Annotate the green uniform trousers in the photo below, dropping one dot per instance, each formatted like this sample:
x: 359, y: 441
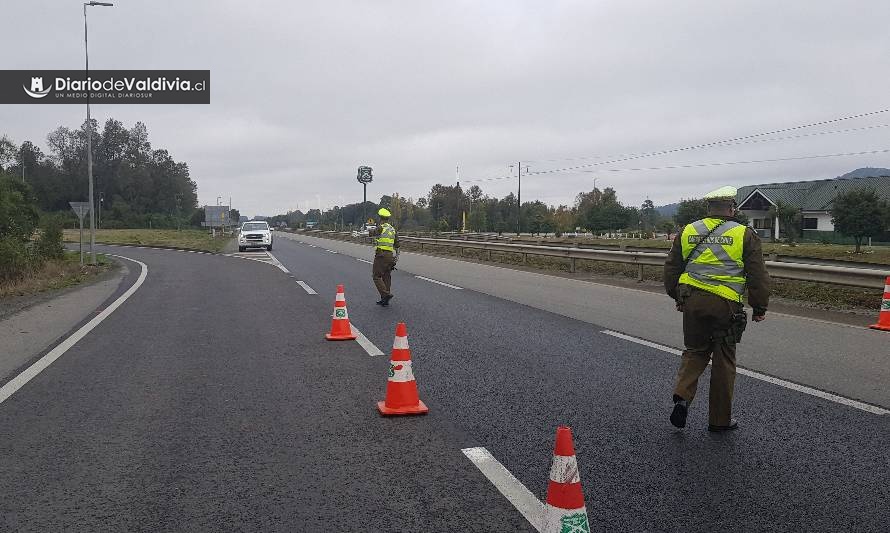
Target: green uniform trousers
x: 705, y: 313
x: 384, y: 261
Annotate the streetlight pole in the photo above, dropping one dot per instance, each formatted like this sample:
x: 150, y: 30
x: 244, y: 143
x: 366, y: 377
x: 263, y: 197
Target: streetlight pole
x: 89, y: 131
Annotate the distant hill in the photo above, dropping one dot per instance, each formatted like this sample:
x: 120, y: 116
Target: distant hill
x: 867, y: 172
x: 668, y: 210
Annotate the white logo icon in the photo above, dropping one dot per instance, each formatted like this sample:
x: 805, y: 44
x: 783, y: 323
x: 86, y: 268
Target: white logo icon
x: 37, y: 90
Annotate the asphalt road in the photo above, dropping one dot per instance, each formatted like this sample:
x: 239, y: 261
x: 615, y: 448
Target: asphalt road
x: 210, y: 401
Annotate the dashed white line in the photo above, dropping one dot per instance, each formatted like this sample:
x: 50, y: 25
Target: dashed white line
x: 363, y: 260
x: 306, y: 287
x: 769, y: 379
x: 365, y: 343
x: 41, y: 364
x: 516, y: 493
x: 439, y: 283
x: 331, y: 251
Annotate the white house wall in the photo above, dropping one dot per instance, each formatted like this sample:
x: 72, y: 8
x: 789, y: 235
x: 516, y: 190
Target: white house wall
x: 823, y: 220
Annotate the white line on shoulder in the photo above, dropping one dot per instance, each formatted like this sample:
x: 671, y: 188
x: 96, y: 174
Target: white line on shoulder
x: 439, y: 282
x: 41, y: 364
x: 769, y: 379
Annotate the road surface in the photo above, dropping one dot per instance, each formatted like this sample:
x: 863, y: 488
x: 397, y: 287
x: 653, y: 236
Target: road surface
x: 209, y: 400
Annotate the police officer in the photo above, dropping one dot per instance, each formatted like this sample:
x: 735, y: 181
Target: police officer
x: 711, y: 264
x: 384, y: 256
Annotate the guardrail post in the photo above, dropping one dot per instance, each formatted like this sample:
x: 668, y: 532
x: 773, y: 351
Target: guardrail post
x: 572, y: 265
x: 639, y: 273
x: 488, y: 254
x: 524, y: 258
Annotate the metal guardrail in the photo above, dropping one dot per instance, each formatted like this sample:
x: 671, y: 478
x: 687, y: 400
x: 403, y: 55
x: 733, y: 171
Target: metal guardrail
x: 839, y: 275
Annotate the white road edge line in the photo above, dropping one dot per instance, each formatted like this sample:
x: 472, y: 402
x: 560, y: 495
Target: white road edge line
x: 516, y: 493
x: 440, y: 283
x: 41, y: 364
x: 769, y: 379
x: 306, y: 287
x: 363, y: 260
x: 364, y: 342
x: 331, y: 251
x: 277, y: 263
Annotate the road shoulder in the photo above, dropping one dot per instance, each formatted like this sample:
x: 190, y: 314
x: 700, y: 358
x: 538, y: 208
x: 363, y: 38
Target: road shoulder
x: 30, y: 325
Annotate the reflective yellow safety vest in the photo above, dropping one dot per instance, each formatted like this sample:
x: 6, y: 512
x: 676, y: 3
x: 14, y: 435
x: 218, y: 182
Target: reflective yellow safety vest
x: 387, y: 238
x: 716, y: 265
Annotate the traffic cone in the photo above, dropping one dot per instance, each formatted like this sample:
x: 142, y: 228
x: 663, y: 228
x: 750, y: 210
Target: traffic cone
x: 564, y: 510
x: 884, y: 314
x: 340, y: 328
x: 401, y: 389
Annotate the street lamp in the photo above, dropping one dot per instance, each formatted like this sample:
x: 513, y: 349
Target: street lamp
x: 89, y: 132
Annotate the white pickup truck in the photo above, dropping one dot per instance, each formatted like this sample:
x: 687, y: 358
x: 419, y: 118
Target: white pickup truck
x: 254, y: 234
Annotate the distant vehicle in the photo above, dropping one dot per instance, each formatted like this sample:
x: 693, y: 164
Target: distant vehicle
x: 363, y: 231
x: 255, y: 234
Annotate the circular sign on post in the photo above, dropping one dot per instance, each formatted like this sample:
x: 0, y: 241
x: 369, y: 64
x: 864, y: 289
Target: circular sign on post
x: 364, y: 175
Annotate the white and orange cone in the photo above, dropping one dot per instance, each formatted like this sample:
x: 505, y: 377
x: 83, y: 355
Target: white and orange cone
x: 401, y: 389
x: 564, y: 510
x: 884, y: 314
x: 341, y: 330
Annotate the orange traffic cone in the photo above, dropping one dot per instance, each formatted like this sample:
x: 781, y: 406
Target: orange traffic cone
x: 884, y: 314
x: 564, y: 510
x: 401, y: 389
x: 340, y: 328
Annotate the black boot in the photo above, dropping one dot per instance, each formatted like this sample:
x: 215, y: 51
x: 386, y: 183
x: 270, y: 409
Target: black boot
x: 678, y: 416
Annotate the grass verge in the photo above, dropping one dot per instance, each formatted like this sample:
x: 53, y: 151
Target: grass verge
x: 187, y: 239
x: 56, y: 274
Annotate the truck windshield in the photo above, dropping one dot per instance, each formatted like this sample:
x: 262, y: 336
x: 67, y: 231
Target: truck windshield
x: 254, y: 227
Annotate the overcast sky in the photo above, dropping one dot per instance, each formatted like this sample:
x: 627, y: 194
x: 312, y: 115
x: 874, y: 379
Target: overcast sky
x: 304, y: 92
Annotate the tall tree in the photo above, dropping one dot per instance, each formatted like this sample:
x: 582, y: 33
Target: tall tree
x: 691, y: 210
x: 859, y: 213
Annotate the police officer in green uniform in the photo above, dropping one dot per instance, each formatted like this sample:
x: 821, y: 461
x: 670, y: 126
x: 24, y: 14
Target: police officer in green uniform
x: 712, y: 263
x: 384, y: 256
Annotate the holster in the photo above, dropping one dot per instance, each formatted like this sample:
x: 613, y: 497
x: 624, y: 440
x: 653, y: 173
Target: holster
x: 733, y: 335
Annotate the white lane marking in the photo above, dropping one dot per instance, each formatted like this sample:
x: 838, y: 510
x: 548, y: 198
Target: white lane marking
x: 363, y: 260
x: 41, y: 364
x: 306, y: 287
x: 364, y: 342
x: 439, y: 282
x: 507, y: 484
x: 769, y: 379
x: 331, y: 251
x: 312, y: 246
x: 277, y: 263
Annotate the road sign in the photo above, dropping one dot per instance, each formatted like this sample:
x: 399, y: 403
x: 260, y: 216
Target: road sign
x: 365, y: 175
x: 81, y: 209
x: 216, y: 216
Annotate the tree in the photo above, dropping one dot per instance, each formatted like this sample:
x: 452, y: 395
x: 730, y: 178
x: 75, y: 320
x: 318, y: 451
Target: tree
x: 691, y: 210
x: 789, y: 220
x: 859, y: 213
x: 648, y: 215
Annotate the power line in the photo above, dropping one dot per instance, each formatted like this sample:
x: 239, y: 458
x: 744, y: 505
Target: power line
x: 710, y: 144
x: 750, y: 141
x: 748, y: 162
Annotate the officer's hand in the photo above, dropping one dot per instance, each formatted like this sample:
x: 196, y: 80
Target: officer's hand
x: 679, y: 307
x: 758, y: 318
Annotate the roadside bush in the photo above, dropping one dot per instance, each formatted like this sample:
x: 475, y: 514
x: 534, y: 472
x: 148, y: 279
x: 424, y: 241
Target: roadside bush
x: 15, y: 259
x: 49, y: 244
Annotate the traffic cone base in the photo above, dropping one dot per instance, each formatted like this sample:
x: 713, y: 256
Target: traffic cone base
x: 419, y: 409
x: 347, y: 337
x: 884, y: 314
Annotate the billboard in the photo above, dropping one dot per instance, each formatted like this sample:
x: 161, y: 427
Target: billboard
x: 217, y: 216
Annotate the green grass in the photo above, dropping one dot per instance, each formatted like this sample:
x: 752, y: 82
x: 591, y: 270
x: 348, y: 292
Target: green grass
x: 187, y: 239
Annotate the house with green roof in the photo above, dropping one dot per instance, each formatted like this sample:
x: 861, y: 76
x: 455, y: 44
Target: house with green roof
x: 814, y: 199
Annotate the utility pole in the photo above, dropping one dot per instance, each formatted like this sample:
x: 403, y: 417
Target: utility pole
x: 89, y: 131
x: 519, y: 198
